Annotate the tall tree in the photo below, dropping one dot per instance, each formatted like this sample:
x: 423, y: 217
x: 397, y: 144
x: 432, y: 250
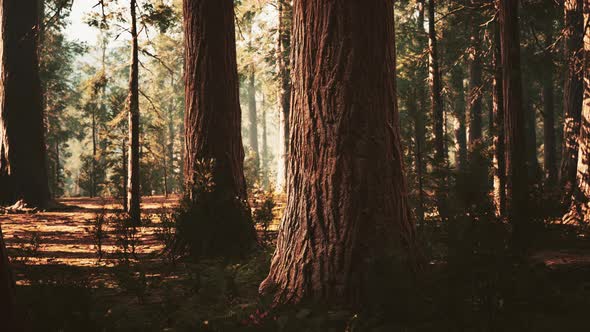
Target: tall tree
x: 133, y: 192
x: 213, y: 115
x: 580, y: 204
x: 498, y: 123
x: 346, y: 186
x: 23, y: 164
x: 517, y: 183
x: 572, y: 95
x: 7, y: 301
x: 550, y: 158
x: 284, y: 68
x: 435, y: 87
x: 253, y: 117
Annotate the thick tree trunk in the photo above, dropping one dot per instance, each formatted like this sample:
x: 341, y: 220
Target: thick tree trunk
x: 572, y: 96
x: 23, y: 164
x: 133, y: 190
x: 213, y: 116
x: 514, y: 120
x: 579, y: 211
x: 498, y: 123
x: 284, y: 67
x: 347, y: 206
x: 7, y: 301
x: 253, y: 118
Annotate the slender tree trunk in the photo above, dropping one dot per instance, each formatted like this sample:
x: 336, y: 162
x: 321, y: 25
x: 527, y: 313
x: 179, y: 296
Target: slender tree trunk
x: 93, y: 170
x: 461, y: 132
x: 579, y: 211
x: 498, y: 122
x: 133, y: 190
x: 475, y: 82
x: 346, y: 188
x: 23, y: 164
x: 171, y: 138
x: 514, y: 120
x: 550, y: 159
x: 125, y: 174
x: 435, y: 88
x: 253, y: 118
x: 532, y: 162
x: 284, y: 68
x: 7, y: 295
x: 420, y: 121
x: 213, y: 116
x: 57, y: 169
x: 264, y: 156
x: 572, y: 96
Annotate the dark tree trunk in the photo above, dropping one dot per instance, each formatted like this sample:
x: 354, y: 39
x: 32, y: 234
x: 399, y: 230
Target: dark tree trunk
x: 23, y: 164
x: 461, y: 132
x: 212, y: 115
x: 133, y: 190
x: 264, y: 155
x: 284, y: 53
x: 572, y: 96
x: 498, y: 123
x: 420, y: 120
x: 579, y: 211
x: 475, y: 82
x: 514, y: 120
x: 125, y: 174
x: 346, y: 191
x: 550, y: 159
x: 435, y: 88
x: 253, y: 118
x: 7, y: 301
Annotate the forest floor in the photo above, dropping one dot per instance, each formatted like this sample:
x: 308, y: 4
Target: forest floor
x: 62, y: 285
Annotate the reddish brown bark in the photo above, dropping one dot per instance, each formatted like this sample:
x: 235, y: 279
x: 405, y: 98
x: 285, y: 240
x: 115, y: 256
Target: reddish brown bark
x: 133, y: 190
x: 435, y: 88
x: 514, y: 121
x: 550, y: 157
x: 212, y: 114
x: 347, y: 204
x: 23, y: 164
x: 572, y: 95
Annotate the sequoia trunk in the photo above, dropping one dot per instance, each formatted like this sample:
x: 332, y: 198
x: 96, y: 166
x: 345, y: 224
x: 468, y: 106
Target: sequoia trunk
x: 346, y: 189
x: 212, y: 114
x: 284, y: 53
x: 23, y: 164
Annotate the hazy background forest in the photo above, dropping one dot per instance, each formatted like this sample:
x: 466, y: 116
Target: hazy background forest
x: 305, y: 165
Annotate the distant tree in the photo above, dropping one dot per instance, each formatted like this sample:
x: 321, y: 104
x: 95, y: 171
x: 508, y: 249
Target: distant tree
x: 516, y: 171
x: 284, y: 70
x: 498, y: 124
x: 572, y: 95
x: 23, y: 163
x: 347, y: 207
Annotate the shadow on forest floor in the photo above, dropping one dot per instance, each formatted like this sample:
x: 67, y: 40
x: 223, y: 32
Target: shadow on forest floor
x: 471, y: 283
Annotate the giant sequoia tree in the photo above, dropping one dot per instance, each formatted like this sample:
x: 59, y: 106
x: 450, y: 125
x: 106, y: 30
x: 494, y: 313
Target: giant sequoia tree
x: 516, y: 170
x: 23, y: 165
x: 213, y: 117
x: 346, y: 189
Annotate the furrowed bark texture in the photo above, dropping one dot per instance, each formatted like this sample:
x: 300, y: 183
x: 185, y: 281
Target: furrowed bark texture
x: 212, y: 114
x: 514, y: 121
x: 133, y: 190
x: 572, y: 95
x: 23, y: 164
x: 346, y: 191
